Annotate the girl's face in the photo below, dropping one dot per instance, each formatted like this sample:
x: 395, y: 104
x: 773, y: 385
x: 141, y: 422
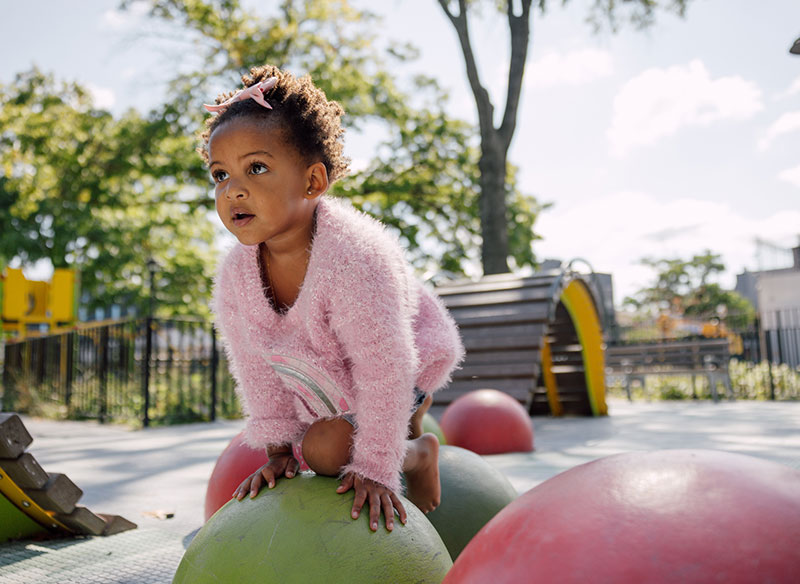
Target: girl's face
x: 262, y: 184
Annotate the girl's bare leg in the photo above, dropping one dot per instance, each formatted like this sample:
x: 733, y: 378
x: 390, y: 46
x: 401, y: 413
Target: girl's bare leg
x: 421, y: 467
x: 415, y: 424
x: 327, y: 445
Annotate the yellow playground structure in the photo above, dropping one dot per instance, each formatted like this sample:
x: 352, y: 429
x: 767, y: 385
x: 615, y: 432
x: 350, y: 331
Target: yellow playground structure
x: 26, y: 303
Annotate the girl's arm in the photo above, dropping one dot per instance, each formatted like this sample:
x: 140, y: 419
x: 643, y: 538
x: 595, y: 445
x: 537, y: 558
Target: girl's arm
x: 267, y: 405
x: 370, y: 315
x: 437, y: 340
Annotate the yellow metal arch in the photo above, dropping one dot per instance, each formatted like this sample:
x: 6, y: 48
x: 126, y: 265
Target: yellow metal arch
x: 550, y: 380
x: 579, y: 304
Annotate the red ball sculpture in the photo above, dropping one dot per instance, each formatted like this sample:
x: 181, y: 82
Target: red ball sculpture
x: 235, y: 464
x: 689, y: 516
x: 487, y: 421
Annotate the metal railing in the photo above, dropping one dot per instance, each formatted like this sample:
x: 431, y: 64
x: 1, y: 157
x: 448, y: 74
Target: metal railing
x: 145, y: 370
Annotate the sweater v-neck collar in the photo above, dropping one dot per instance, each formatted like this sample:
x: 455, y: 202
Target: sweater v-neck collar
x: 256, y: 275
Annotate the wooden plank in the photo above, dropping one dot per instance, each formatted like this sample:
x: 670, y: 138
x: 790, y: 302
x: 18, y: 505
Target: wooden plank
x: 14, y: 438
x: 510, y: 343
x: 497, y: 370
x: 449, y: 395
x: 516, y: 296
x: 491, y: 357
x: 566, y: 348
x: 499, y: 314
x: 494, y: 283
x: 564, y: 369
x: 527, y: 335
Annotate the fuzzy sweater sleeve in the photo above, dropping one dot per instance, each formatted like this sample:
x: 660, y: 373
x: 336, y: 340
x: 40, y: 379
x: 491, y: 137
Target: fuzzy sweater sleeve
x: 271, y: 418
x: 370, y: 315
x: 437, y: 340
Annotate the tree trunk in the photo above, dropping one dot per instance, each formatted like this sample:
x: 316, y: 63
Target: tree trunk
x: 494, y: 217
x: 494, y: 141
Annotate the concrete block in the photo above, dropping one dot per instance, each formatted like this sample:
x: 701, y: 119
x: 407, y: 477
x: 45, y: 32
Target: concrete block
x: 59, y: 494
x: 24, y: 471
x: 14, y: 438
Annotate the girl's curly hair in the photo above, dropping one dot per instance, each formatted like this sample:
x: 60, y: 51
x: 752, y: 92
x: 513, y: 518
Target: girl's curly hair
x: 309, y: 121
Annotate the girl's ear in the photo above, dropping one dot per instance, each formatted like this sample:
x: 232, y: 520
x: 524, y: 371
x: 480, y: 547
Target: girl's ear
x: 317, y: 181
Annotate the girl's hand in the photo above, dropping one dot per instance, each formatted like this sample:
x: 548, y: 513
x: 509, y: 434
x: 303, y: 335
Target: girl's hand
x: 380, y: 498
x: 280, y: 464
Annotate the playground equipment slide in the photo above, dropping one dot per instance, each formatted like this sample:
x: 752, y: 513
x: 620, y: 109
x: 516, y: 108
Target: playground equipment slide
x: 537, y: 338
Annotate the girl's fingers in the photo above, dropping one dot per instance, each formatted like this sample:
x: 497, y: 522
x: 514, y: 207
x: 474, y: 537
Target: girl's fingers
x: 346, y: 484
x: 400, y: 509
x: 271, y: 475
x: 358, y: 502
x: 242, y: 489
x: 255, y: 484
x: 374, y: 508
x: 291, y: 467
x: 388, y: 511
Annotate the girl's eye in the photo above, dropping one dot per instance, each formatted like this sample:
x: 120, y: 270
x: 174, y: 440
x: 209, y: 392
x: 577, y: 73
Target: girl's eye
x: 219, y: 176
x: 258, y: 168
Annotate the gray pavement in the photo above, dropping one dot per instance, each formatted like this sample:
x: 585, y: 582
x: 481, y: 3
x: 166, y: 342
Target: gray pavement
x: 137, y: 472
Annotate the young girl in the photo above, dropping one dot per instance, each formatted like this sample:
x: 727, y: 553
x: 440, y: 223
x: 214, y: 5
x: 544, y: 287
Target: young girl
x: 331, y: 339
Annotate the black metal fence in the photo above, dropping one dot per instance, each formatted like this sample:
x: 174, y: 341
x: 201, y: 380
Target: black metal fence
x: 781, y: 337
x: 143, y: 370
x: 775, y: 338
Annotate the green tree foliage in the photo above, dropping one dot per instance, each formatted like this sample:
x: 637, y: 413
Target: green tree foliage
x: 424, y: 179
x: 100, y: 195
x: 684, y: 287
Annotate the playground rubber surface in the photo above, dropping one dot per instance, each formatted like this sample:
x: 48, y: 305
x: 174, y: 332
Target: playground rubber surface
x: 157, y: 477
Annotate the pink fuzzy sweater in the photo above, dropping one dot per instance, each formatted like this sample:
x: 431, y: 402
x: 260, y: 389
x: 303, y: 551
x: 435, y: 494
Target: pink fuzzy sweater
x: 361, y: 334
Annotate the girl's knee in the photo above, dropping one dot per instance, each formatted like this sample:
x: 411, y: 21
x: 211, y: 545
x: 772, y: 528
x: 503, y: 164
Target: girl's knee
x: 327, y: 444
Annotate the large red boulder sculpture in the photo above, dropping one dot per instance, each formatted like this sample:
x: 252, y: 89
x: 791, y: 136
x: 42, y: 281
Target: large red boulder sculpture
x: 689, y: 516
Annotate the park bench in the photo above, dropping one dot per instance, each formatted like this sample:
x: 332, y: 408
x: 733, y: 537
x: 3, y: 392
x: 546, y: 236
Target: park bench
x: 35, y: 503
x: 636, y: 361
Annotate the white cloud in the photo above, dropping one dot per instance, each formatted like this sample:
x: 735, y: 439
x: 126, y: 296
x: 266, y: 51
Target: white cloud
x: 121, y: 19
x: 659, y: 102
x: 793, y: 89
x: 791, y: 175
x: 787, y: 123
x: 103, y: 97
x: 614, y: 232
x: 573, y: 68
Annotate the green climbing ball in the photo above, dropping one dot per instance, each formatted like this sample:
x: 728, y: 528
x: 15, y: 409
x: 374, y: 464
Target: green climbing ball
x: 473, y: 492
x: 429, y: 424
x: 301, y: 531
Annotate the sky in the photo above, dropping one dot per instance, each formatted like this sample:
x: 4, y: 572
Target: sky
x: 659, y: 143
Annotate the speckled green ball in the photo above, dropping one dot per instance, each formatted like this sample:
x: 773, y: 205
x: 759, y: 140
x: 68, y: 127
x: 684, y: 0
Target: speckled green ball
x: 429, y: 424
x: 301, y: 531
x: 473, y: 492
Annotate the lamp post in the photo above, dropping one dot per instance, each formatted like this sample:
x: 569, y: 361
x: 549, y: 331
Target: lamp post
x: 151, y: 268
x: 148, y: 348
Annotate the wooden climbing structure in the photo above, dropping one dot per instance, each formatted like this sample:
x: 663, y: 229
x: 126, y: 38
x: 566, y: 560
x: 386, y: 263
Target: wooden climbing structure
x: 36, y: 504
x: 538, y: 338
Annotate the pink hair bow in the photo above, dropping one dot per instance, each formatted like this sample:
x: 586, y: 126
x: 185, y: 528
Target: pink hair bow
x: 255, y: 92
